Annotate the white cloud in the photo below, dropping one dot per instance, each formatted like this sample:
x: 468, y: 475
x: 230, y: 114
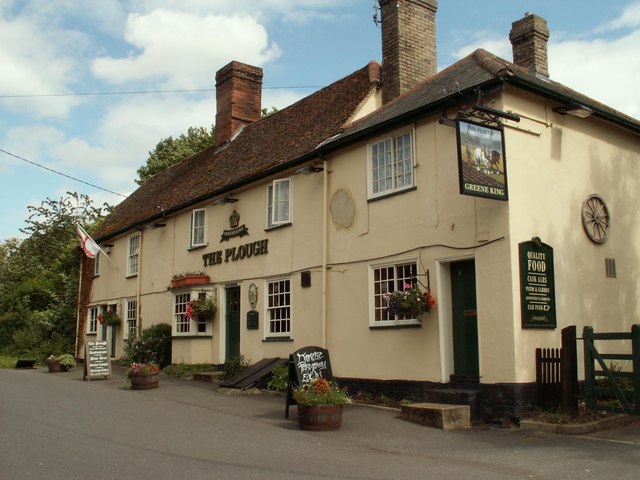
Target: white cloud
x: 182, y: 49
x: 36, y: 61
x: 606, y: 70
x: 630, y: 18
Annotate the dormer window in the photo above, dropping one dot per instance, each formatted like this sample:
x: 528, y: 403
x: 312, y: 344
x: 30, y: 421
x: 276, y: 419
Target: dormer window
x: 391, y: 165
x: 198, y: 224
x: 278, y: 203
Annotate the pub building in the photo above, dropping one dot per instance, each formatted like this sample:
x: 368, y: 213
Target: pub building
x: 303, y: 223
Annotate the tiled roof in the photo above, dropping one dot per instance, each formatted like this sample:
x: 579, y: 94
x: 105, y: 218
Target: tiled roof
x: 460, y: 81
x: 293, y: 134
x: 282, y: 138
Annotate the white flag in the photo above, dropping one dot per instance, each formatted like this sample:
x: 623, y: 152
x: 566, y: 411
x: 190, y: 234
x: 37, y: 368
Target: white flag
x: 90, y: 247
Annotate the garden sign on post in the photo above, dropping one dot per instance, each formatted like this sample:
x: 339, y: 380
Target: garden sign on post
x: 96, y: 360
x: 305, y: 365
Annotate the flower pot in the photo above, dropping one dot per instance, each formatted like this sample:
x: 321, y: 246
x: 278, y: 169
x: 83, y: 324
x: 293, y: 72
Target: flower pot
x: 145, y: 382
x: 56, y: 367
x: 319, y: 418
x: 189, y: 280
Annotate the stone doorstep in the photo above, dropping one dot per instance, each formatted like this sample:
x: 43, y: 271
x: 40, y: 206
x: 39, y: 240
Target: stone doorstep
x: 438, y: 415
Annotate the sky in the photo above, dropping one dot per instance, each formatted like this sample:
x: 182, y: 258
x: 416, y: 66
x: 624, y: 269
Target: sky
x: 89, y: 87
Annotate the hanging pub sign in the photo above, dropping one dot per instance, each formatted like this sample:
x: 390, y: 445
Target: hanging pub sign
x: 482, y: 164
x: 537, y: 285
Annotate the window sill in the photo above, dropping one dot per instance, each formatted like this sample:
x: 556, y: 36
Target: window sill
x: 395, y: 325
x: 191, y: 337
x: 197, y: 247
x: 391, y: 194
x: 276, y: 227
x: 277, y: 339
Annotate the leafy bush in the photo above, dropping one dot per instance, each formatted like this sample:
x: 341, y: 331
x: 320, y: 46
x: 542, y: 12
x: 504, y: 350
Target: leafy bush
x: 279, y: 378
x: 186, y: 370
x: 234, y: 366
x: 153, y: 345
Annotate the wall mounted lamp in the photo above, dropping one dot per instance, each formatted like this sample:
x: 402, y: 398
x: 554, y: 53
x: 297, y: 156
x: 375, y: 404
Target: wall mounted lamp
x: 309, y: 169
x: 575, y: 109
x: 225, y: 200
x: 106, y: 247
x: 496, y: 113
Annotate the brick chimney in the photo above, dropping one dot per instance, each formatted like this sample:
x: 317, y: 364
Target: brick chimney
x: 529, y: 38
x: 238, y: 98
x: 408, y: 44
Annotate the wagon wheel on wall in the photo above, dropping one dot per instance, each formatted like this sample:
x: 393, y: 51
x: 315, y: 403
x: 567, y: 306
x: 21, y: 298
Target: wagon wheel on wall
x: 596, y: 219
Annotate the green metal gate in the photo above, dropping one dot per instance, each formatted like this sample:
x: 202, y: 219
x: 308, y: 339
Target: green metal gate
x: 607, y: 388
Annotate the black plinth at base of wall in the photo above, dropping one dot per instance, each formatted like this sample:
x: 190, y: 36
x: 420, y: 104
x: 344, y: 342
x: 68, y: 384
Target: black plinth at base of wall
x: 491, y: 403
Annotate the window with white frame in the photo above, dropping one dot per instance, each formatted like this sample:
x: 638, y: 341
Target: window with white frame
x: 279, y: 203
x: 198, y: 222
x: 96, y: 265
x: 133, y: 254
x: 279, y: 307
x: 131, y: 318
x: 391, y: 165
x: 92, y: 320
x: 388, y: 279
x: 182, y: 321
x: 186, y: 322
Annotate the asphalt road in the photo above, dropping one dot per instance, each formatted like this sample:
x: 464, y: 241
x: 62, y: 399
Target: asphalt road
x: 56, y: 426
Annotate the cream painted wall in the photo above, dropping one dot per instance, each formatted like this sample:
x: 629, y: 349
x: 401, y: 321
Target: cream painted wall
x: 553, y: 162
x: 551, y: 173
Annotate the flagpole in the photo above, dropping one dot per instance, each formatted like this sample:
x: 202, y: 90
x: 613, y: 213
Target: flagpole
x: 106, y: 255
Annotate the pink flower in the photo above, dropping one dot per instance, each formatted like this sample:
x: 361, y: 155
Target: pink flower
x: 189, y: 312
x: 407, y: 286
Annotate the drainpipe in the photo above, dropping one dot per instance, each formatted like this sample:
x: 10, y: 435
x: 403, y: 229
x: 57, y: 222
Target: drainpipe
x: 325, y: 241
x: 139, y: 282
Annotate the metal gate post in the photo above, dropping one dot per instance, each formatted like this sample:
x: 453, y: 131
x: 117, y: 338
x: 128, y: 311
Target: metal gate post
x: 635, y: 352
x: 569, y: 372
x: 589, y: 375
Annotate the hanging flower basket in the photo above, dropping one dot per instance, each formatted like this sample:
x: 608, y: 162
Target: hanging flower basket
x: 201, y: 309
x: 110, y: 318
x: 409, y: 303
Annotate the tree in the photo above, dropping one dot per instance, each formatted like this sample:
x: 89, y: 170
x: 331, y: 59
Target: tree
x: 170, y: 151
x: 39, y: 277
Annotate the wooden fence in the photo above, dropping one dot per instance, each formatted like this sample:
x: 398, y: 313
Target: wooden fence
x: 608, y: 388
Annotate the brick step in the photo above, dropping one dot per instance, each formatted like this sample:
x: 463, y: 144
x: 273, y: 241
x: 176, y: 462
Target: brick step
x: 438, y: 415
x: 457, y: 396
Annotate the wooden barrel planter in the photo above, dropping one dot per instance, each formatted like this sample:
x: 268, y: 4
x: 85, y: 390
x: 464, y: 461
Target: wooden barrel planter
x: 320, y: 418
x: 56, y: 367
x: 145, y: 382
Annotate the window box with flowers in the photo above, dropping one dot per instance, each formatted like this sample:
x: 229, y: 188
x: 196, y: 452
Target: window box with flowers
x: 109, y: 318
x: 186, y: 279
x: 201, y: 309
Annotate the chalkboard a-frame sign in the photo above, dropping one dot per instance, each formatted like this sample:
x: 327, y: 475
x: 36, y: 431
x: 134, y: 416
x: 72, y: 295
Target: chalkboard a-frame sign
x: 97, y: 363
x: 305, y: 365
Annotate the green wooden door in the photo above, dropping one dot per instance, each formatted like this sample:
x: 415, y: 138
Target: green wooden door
x: 465, y: 319
x: 232, y: 322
